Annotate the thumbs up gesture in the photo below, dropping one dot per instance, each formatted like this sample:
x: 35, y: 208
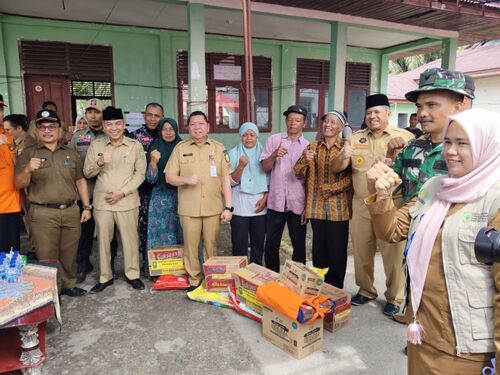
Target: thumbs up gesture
x: 281, y: 150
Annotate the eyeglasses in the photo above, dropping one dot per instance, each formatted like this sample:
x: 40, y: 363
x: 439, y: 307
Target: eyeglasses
x: 50, y: 127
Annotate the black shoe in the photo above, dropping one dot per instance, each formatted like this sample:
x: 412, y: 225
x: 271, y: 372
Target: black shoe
x: 99, y: 287
x: 73, y: 292
x: 390, y: 309
x: 82, y: 271
x: 136, y: 283
x: 359, y: 300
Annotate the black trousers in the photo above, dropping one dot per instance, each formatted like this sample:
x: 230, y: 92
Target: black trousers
x: 10, y: 231
x: 87, y: 240
x: 241, y: 228
x: 329, y: 249
x: 274, y: 231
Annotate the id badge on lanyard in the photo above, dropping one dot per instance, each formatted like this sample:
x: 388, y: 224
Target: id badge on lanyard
x: 213, y: 167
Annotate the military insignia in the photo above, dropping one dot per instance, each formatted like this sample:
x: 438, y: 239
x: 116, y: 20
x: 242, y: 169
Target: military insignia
x: 45, y: 114
x: 362, y: 140
x: 467, y: 217
x: 226, y: 156
x: 358, y: 160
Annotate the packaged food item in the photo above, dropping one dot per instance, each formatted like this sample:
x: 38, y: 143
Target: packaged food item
x: 301, y: 279
x: 171, y: 282
x: 219, y: 282
x: 297, y: 339
x: 224, y: 264
x: 247, y: 280
x: 201, y: 294
x: 166, y: 260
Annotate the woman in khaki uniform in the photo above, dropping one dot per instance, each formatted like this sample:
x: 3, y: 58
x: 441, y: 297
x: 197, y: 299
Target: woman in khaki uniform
x: 454, y: 301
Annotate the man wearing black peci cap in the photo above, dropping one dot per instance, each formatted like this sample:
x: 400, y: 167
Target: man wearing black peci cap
x: 287, y: 200
x: 52, y: 174
x: 366, y: 147
x: 120, y: 166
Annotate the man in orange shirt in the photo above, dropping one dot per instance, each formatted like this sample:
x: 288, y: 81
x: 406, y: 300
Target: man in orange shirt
x: 10, y: 205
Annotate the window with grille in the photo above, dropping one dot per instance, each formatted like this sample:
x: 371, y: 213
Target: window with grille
x: 81, y: 91
x: 312, y: 89
x: 225, y: 91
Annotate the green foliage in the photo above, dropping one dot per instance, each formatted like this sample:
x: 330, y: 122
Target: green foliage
x: 412, y: 62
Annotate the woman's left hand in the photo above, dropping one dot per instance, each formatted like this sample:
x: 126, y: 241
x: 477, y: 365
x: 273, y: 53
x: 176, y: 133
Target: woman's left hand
x: 261, y: 204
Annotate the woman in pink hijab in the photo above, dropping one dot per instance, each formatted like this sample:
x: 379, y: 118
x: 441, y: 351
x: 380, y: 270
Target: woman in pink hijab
x: 454, y: 306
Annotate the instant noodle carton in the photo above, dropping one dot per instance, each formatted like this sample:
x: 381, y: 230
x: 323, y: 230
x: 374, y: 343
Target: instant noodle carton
x: 247, y: 281
x: 339, y: 317
x: 297, y: 339
x: 166, y: 260
x: 219, y: 282
x: 218, y: 271
x: 300, y: 279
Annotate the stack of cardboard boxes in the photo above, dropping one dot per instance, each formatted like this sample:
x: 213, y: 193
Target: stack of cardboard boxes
x: 295, y: 338
x: 219, y: 270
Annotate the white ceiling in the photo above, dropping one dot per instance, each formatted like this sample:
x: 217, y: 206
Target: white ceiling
x: 166, y: 15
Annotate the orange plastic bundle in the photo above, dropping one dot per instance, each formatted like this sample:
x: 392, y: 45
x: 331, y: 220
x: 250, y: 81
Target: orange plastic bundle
x: 282, y: 299
x: 171, y: 282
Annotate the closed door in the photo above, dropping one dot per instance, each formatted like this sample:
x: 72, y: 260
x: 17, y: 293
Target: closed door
x: 40, y: 88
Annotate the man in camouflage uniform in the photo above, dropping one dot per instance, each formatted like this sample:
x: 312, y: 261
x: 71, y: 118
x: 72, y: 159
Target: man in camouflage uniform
x: 440, y: 93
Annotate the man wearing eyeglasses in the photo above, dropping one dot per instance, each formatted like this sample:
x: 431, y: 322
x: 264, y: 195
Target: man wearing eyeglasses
x: 52, y: 174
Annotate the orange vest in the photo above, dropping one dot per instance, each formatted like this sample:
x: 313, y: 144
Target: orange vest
x: 9, y: 195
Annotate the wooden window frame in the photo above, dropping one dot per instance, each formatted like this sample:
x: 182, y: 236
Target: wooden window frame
x: 212, y: 84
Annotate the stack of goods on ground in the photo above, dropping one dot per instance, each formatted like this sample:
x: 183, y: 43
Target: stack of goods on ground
x: 167, y: 262
x: 294, y: 307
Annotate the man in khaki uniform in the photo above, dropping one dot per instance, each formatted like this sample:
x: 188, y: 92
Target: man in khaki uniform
x: 120, y: 166
x: 200, y: 168
x: 367, y: 146
x: 52, y: 174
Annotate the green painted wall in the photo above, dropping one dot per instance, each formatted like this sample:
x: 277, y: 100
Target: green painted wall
x: 397, y: 108
x: 145, y: 62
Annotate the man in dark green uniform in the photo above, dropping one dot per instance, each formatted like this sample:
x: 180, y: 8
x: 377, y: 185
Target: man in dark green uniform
x: 52, y: 174
x: 440, y: 93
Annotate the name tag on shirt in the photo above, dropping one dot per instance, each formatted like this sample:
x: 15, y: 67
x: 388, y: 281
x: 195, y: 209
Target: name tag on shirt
x: 213, y: 171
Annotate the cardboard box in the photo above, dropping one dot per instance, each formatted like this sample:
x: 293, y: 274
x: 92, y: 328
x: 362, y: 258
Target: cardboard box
x: 336, y: 325
x: 166, y: 260
x: 337, y: 295
x: 297, y: 339
x: 248, y: 279
x: 300, y: 279
x: 223, y: 264
x: 340, y: 317
x: 219, y: 282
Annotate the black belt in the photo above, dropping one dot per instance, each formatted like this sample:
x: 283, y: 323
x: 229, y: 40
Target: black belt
x: 60, y: 206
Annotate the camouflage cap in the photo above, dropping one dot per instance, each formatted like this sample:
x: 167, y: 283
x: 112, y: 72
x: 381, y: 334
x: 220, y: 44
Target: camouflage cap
x: 440, y: 79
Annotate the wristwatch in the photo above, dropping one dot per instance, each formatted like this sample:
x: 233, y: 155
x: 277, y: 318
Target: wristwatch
x: 230, y: 209
x: 88, y: 207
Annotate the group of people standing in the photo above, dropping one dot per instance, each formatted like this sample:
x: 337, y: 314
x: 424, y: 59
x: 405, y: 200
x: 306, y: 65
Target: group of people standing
x: 423, y: 200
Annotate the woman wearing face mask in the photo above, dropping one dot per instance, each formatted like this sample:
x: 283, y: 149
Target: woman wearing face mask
x: 163, y: 221
x: 454, y: 301
x: 328, y: 198
x: 249, y: 190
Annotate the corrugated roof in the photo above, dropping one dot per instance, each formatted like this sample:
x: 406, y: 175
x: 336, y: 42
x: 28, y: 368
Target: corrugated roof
x: 477, y: 61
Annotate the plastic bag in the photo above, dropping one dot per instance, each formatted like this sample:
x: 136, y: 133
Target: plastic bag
x: 171, y: 282
x: 282, y: 299
x: 201, y: 294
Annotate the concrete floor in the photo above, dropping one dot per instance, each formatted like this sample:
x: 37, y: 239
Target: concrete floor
x: 123, y: 331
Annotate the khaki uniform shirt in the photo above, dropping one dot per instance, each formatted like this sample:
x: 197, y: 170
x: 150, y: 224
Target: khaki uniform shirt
x: 367, y: 147
x: 210, y: 162
x: 80, y: 143
x: 54, y: 181
x: 23, y: 143
x: 434, y: 312
x: 125, y: 172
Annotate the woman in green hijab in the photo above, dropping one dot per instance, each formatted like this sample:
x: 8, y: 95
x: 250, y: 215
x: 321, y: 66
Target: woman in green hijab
x: 163, y: 221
